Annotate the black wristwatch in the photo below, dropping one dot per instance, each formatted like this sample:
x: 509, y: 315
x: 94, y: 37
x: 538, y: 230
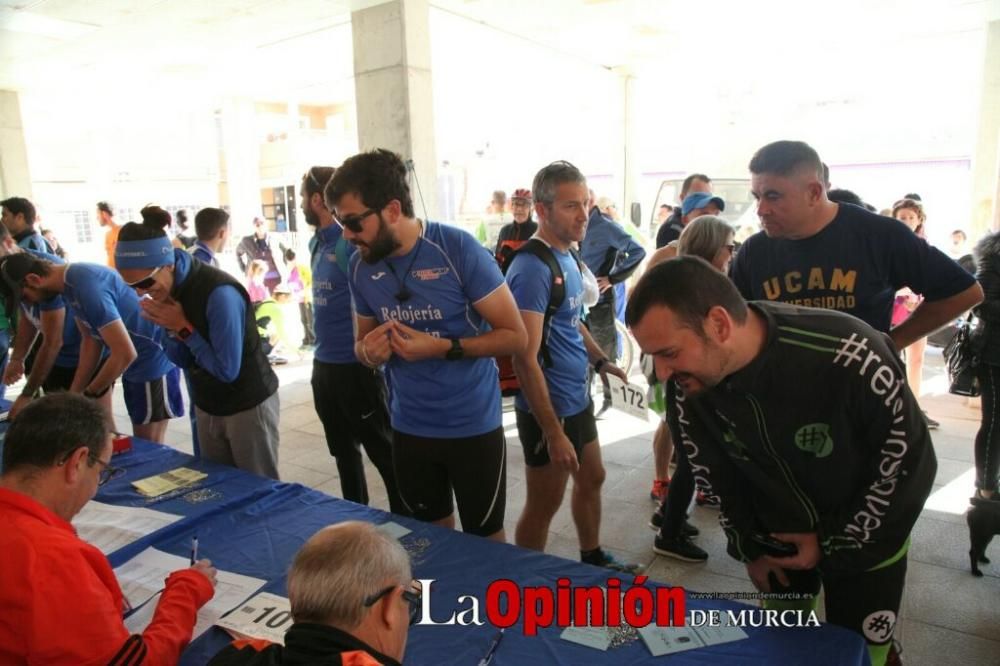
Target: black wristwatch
x: 96, y: 394
x: 456, y: 353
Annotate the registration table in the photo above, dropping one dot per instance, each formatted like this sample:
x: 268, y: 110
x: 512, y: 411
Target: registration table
x: 253, y: 526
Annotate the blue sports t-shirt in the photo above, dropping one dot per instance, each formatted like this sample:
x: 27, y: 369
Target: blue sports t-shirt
x: 332, y: 297
x: 69, y: 353
x: 98, y: 296
x: 450, y: 272
x: 855, y: 264
x: 530, y: 281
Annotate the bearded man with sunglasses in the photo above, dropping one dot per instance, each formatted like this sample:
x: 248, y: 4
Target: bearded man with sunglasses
x: 431, y: 306
x: 353, y: 601
x: 115, y: 341
x: 212, y: 333
x: 59, y: 600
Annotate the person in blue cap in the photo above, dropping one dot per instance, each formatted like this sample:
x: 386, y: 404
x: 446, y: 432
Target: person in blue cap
x: 107, y: 316
x: 212, y: 333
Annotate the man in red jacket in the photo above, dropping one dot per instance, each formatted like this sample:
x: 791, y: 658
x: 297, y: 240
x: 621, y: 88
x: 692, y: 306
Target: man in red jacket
x: 59, y: 600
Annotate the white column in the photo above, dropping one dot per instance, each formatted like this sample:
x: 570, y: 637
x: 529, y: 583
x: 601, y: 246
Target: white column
x: 986, y: 158
x: 15, y: 177
x: 392, y: 79
x: 241, y: 157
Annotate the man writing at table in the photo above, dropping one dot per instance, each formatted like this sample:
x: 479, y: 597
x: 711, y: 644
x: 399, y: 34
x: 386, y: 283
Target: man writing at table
x: 59, y: 600
x: 352, y: 599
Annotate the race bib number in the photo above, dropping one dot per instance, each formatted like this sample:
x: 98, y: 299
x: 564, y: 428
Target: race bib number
x: 628, y: 398
x: 265, y: 616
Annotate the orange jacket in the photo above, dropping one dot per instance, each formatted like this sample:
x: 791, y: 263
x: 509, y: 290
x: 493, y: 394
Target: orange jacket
x: 60, y: 602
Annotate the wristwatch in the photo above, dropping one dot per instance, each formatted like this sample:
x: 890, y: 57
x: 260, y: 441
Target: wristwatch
x: 96, y: 394
x: 456, y: 353
x: 184, y: 333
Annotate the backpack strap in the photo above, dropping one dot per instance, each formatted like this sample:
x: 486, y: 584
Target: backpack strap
x: 557, y: 294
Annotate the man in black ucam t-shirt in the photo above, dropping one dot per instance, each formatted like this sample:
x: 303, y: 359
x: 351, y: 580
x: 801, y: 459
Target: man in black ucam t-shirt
x: 817, y: 253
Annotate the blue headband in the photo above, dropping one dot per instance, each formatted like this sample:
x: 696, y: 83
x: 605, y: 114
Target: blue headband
x: 149, y: 253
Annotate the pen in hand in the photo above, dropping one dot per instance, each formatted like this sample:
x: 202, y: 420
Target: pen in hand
x: 485, y: 661
x: 194, y: 549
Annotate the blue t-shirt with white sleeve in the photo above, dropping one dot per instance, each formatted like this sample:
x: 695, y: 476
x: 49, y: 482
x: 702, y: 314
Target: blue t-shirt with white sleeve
x: 332, y: 297
x: 98, y: 296
x: 530, y: 281
x: 446, y: 273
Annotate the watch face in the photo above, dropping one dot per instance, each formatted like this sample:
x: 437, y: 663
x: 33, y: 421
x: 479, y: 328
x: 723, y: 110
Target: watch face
x: 456, y: 352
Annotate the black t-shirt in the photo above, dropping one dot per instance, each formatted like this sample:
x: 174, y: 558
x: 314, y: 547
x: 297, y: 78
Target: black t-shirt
x: 670, y: 230
x: 855, y: 265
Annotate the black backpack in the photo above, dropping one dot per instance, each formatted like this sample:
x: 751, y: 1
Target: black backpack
x: 557, y: 293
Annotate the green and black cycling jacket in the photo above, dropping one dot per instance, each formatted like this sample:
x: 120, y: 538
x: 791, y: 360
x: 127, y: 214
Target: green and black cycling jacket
x: 818, y: 433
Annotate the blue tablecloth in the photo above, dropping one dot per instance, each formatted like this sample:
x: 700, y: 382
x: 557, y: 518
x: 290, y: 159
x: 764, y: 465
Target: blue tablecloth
x: 254, y: 526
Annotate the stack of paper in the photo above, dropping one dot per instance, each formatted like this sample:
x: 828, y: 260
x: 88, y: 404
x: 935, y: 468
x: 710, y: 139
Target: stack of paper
x: 267, y: 616
x: 154, y: 486
x: 142, y: 579
x: 109, y: 527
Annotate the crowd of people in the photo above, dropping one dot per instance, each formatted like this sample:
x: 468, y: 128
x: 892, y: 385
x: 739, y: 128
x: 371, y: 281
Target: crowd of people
x: 786, y: 403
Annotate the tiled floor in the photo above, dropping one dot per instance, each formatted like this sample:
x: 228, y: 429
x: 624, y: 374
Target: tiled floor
x: 948, y: 616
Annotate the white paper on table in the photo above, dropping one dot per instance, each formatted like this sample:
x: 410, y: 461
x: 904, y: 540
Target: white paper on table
x: 592, y: 637
x: 266, y: 616
x: 108, y: 527
x: 144, y: 575
x: 394, y: 530
x: 667, y: 640
x: 628, y: 398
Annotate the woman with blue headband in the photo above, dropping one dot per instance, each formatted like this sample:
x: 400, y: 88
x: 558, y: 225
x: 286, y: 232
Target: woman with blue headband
x: 212, y: 334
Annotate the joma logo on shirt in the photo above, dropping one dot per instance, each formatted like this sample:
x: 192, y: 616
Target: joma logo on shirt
x: 794, y: 282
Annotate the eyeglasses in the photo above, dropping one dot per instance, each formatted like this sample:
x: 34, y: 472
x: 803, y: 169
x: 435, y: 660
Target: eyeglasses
x: 353, y: 222
x: 107, y: 472
x: 410, y: 596
x: 146, y: 282
x: 730, y: 246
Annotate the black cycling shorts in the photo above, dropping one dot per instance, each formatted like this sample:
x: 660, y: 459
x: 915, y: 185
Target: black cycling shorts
x: 866, y: 602
x: 581, y: 429
x: 428, y: 469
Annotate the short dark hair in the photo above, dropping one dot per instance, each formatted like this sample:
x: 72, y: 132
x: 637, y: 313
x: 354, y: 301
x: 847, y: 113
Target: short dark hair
x: 781, y: 158
x: 133, y: 231
x: 155, y: 216
x: 686, y: 185
x: 50, y: 428
x: 841, y: 195
x: 20, y: 205
x: 182, y: 219
x: 377, y: 177
x: 551, y: 176
x: 316, y: 179
x: 913, y: 196
x: 690, y: 287
x: 105, y: 207
x: 289, y: 254
x: 209, y: 221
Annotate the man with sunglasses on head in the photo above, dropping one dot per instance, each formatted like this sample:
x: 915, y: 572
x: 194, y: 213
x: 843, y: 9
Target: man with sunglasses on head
x: 348, y: 396
x: 107, y: 316
x: 59, y: 600
x: 212, y: 333
x: 431, y: 305
x: 353, y: 601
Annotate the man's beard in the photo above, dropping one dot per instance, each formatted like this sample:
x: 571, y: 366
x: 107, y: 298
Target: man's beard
x: 382, y: 246
x: 312, y: 219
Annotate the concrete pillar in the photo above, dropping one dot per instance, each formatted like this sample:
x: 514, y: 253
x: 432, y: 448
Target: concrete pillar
x: 986, y: 158
x: 630, y: 143
x: 15, y: 177
x: 241, y: 157
x: 392, y: 81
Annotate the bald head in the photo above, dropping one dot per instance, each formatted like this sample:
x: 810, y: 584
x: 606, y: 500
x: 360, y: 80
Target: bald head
x: 338, y: 568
